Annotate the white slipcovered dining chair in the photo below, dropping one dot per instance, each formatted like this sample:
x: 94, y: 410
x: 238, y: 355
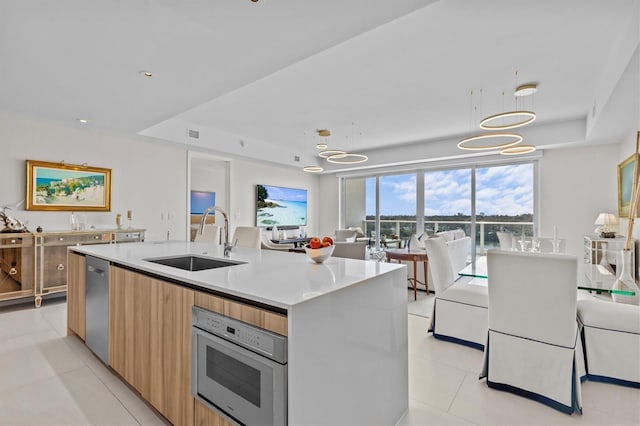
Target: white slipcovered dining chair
x: 505, y: 239
x: 210, y: 233
x: 356, y: 250
x: 246, y: 236
x: 611, y: 341
x: 533, y: 347
x: 460, y: 309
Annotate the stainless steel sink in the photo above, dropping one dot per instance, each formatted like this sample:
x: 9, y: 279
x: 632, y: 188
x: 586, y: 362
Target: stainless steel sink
x: 193, y: 263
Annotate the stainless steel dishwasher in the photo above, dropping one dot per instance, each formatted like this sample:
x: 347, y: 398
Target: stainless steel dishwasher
x: 97, y: 307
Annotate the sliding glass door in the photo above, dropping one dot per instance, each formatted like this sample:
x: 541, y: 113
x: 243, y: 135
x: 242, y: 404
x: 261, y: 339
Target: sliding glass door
x: 481, y: 200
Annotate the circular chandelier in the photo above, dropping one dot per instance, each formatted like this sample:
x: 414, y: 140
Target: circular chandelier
x: 330, y: 152
x: 482, y: 145
x: 520, y: 118
x: 347, y: 158
x: 312, y: 169
x: 517, y: 150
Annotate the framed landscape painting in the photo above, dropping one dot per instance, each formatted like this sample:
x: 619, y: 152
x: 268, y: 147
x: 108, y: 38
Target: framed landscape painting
x: 625, y: 185
x: 59, y: 186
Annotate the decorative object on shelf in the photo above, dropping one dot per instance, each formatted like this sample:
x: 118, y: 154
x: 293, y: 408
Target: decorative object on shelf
x: 60, y: 186
x: 607, y: 225
x: 11, y: 224
x: 119, y: 221
x: 129, y: 217
x: 625, y: 281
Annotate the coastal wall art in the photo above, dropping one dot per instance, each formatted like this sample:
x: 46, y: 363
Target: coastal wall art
x: 60, y: 186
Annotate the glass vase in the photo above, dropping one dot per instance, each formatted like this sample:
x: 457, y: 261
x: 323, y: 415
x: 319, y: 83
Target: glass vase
x: 604, y: 257
x: 625, y: 289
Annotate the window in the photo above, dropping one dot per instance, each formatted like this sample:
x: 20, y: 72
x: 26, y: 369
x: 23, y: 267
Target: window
x: 447, y: 200
x: 480, y: 200
x: 504, y: 200
x: 397, y: 207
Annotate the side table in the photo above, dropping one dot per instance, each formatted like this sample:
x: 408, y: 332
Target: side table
x: 415, y: 257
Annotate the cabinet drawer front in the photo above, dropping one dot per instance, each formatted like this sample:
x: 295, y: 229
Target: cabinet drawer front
x: 69, y: 239
x: 13, y: 241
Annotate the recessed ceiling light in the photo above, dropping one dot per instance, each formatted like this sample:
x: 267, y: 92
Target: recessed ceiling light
x: 82, y: 120
x: 145, y: 73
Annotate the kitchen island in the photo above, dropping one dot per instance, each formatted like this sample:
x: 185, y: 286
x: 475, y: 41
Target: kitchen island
x: 345, y: 321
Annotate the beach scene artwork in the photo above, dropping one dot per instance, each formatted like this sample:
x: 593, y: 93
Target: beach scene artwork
x: 280, y: 206
x: 63, y: 187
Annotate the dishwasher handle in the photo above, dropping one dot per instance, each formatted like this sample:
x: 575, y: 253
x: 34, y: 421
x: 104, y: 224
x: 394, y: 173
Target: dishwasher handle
x: 95, y: 270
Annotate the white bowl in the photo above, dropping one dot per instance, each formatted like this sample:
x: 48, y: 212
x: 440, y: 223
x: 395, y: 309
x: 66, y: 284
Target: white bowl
x: 321, y: 254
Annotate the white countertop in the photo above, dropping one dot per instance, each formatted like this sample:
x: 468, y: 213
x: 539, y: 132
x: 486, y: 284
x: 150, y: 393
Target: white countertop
x: 275, y: 278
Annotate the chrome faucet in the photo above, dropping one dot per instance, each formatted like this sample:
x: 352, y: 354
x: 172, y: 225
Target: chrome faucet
x: 227, y: 245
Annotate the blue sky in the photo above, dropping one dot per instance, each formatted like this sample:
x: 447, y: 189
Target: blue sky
x: 504, y: 190
x: 285, y: 194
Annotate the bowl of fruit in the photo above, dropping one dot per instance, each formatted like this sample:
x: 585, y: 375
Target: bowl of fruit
x: 318, y: 249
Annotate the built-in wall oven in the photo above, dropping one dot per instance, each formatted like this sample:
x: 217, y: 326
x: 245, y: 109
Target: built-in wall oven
x: 239, y: 369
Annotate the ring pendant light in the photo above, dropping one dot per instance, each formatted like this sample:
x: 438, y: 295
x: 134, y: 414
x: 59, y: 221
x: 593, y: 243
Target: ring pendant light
x: 347, y: 158
x: 517, y: 150
x: 312, y: 169
x: 521, y: 118
x: 512, y: 139
x: 330, y: 152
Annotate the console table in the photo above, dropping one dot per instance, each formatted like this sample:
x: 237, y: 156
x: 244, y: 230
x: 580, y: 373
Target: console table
x: 411, y: 256
x: 35, y: 264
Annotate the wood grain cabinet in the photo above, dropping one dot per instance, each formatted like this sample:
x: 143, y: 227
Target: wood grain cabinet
x: 76, y: 308
x: 16, y: 265
x: 150, y: 340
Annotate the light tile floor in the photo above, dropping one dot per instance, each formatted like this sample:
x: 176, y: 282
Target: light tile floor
x: 47, y: 378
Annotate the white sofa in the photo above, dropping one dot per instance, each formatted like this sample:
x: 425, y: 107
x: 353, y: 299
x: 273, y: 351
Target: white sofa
x: 458, y: 244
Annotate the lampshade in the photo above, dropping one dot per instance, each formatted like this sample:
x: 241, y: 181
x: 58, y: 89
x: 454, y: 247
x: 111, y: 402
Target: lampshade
x: 607, y: 225
x: 606, y: 219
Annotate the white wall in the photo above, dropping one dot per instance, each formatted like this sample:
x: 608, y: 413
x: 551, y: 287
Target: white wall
x: 329, y: 201
x: 576, y: 184
x: 246, y: 175
x: 148, y: 177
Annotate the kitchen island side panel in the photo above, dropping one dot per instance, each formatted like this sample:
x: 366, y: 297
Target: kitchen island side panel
x: 348, y: 356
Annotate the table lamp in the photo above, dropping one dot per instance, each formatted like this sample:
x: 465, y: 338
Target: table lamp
x: 607, y: 222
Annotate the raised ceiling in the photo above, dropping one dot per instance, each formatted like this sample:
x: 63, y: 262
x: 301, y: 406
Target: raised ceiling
x: 257, y: 79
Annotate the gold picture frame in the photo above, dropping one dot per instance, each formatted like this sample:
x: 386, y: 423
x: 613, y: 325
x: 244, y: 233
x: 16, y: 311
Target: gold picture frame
x: 67, y: 187
x: 625, y: 185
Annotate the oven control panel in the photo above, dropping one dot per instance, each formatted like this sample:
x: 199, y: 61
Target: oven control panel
x: 254, y: 338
